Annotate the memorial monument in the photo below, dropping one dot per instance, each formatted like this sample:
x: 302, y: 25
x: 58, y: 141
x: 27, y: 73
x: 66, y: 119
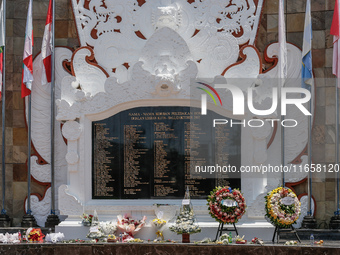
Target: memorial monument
x: 124, y: 106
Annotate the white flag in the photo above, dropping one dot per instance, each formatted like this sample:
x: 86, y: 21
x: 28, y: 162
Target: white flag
x: 46, y: 47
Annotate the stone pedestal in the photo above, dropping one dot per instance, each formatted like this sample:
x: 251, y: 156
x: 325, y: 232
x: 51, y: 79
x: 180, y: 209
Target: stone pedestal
x: 28, y: 221
x: 309, y: 222
x: 335, y: 222
x: 5, y: 221
x: 51, y: 221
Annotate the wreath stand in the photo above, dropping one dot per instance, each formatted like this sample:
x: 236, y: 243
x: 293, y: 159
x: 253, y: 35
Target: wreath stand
x: 290, y: 230
x: 222, y: 229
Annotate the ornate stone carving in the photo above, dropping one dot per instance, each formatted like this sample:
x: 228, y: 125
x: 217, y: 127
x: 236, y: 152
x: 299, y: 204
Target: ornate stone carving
x: 256, y: 209
x: 304, y: 210
x: 41, y: 208
x: 68, y: 204
x: 72, y: 130
x: 147, y: 54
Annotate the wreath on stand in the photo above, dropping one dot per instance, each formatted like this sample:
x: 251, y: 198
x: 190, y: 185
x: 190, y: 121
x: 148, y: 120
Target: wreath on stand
x: 283, y: 208
x: 226, y: 205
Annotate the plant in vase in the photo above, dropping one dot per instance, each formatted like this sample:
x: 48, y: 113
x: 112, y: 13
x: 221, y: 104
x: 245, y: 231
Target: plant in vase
x: 86, y: 219
x: 129, y: 226
x: 186, y: 221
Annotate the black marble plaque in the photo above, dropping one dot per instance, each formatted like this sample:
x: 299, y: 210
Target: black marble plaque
x: 146, y: 153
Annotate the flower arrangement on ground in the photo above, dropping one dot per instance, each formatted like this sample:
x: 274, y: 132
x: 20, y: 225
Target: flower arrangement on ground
x: 54, y: 237
x: 256, y: 240
x: 95, y: 231
x: 226, y: 205
x: 34, y: 235
x: 129, y: 226
x: 10, y: 238
x: 240, y: 240
x: 283, y: 207
x: 108, y: 227
x: 159, y: 223
x: 111, y: 239
x: 186, y: 220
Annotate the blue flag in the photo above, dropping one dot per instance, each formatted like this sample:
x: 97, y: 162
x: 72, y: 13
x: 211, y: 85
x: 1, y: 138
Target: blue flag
x: 307, y: 72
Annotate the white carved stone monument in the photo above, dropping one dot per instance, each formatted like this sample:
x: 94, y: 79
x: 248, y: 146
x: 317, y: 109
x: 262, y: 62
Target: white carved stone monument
x: 144, y: 53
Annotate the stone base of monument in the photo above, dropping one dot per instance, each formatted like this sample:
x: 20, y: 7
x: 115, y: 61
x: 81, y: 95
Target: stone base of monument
x: 264, y: 230
x: 335, y: 222
x: 28, y: 221
x: 51, y: 221
x: 309, y: 222
x: 5, y: 221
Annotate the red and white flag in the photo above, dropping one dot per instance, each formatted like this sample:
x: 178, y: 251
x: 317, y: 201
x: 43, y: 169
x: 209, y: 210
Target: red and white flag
x: 335, y: 31
x: 46, y: 47
x: 27, y: 71
x: 2, y: 42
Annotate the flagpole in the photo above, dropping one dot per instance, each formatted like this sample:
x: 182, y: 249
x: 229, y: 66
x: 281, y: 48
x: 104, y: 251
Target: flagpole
x: 28, y: 219
x: 337, y: 145
x: 337, y: 212
x: 281, y: 77
x: 4, y: 219
x: 335, y: 220
x: 309, y: 185
x: 52, y: 219
x: 3, y: 92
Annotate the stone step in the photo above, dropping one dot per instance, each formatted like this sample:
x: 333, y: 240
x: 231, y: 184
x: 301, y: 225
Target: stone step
x: 319, y: 234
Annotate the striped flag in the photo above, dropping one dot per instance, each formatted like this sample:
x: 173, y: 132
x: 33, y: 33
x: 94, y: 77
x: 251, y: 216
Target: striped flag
x: 46, y: 48
x: 2, y: 42
x: 27, y: 71
x: 335, y: 31
x: 307, y: 72
x: 282, y: 44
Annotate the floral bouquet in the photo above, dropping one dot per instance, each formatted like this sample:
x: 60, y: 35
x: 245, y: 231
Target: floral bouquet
x: 129, y: 226
x: 9, y: 238
x: 159, y: 223
x: 240, y: 240
x: 283, y: 207
x: 95, y: 232
x: 108, y: 227
x: 86, y: 219
x: 54, y: 237
x: 34, y: 235
x: 223, y: 239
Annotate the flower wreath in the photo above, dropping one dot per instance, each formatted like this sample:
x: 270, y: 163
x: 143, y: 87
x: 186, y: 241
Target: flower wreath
x: 226, y: 205
x: 282, y: 207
